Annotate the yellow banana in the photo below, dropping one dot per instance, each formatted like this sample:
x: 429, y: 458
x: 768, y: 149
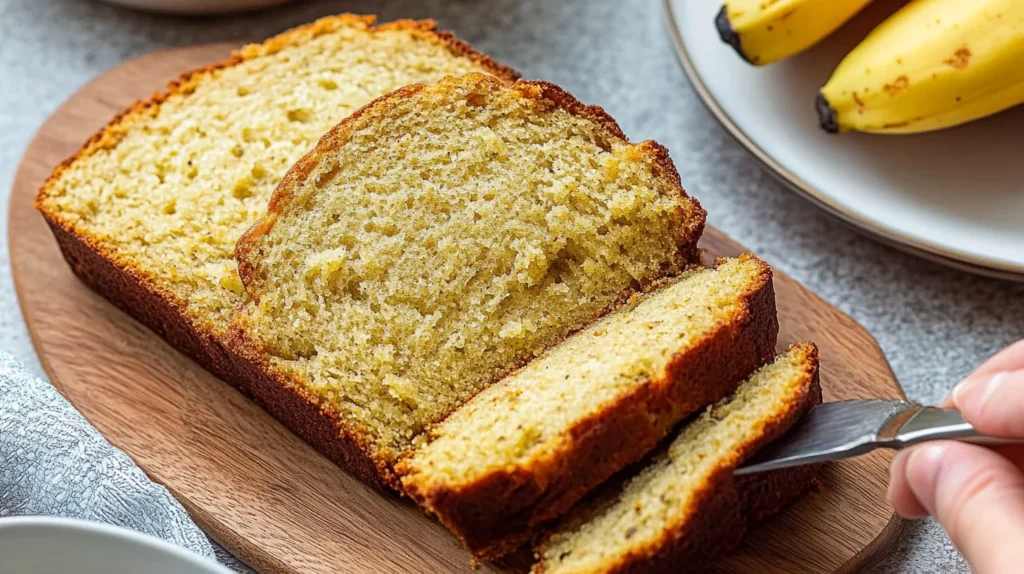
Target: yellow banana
x: 764, y: 31
x: 931, y: 65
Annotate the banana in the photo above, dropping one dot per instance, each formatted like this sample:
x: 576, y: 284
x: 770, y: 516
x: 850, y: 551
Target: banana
x: 764, y: 31
x: 933, y: 64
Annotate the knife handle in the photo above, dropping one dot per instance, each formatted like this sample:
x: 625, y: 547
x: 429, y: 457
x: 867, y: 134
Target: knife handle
x: 924, y: 424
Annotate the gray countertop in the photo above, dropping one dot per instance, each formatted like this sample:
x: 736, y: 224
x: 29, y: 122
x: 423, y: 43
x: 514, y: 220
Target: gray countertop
x: 934, y: 324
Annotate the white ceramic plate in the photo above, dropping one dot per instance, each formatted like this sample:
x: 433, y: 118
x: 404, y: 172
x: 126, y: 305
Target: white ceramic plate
x: 39, y: 544
x: 955, y: 196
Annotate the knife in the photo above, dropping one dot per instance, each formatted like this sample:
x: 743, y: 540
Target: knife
x: 843, y: 429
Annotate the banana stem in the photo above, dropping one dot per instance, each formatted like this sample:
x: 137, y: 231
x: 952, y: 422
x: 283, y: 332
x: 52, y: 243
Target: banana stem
x: 826, y: 114
x: 728, y: 34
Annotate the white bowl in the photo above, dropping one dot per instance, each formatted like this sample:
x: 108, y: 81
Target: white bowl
x: 197, y: 7
x: 42, y: 544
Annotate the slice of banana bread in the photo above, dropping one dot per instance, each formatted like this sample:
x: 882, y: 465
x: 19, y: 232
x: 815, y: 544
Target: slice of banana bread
x: 147, y: 213
x: 524, y: 450
x: 685, y: 509
x: 443, y: 236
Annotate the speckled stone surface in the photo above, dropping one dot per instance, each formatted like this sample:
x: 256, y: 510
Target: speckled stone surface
x: 933, y: 323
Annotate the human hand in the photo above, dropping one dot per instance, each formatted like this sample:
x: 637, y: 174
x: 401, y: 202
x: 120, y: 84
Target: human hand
x: 975, y: 493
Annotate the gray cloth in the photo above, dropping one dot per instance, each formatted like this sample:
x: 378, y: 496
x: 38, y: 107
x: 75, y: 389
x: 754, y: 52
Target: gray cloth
x: 54, y: 463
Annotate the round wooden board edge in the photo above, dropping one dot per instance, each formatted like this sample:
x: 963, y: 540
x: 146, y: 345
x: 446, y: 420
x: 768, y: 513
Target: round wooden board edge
x: 22, y: 205
x: 883, y: 544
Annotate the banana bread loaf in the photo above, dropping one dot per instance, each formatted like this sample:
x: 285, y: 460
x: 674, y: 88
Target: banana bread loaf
x: 684, y: 509
x: 443, y: 236
x: 527, y: 448
x: 147, y: 213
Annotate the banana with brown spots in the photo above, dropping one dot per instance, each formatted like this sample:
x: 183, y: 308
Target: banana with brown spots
x: 933, y: 64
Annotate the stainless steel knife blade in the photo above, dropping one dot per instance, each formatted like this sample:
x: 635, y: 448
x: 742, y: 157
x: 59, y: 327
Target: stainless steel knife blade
x: 844, y: 429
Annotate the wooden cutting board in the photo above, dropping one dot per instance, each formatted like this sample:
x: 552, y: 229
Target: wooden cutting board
x: 280, y: 506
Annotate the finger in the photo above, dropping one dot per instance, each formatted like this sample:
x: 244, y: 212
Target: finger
x: 902, y: 498
x: 994, y: 403
x: 977, y: 495
x: 1009, y: 359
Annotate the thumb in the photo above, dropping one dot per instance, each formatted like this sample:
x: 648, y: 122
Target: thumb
x: 993, y: 402
x: 977, y: 495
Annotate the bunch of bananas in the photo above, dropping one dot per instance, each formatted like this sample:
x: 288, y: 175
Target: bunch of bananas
x: 931, y: 65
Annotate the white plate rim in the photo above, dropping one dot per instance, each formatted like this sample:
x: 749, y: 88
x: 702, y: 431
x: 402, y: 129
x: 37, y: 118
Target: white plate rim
x: 963, y: 261
x: 186, y: 556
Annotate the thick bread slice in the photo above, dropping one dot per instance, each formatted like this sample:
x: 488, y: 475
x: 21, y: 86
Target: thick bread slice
x: 166, y: 189
x: 147, y: 213
x: 443, y: 236
x: 684, y: 509
x: 523, y: 451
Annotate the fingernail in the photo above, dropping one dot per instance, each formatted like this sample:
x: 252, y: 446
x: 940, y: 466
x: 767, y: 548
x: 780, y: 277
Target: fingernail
x: 970, y: 395
x: 923, y: 466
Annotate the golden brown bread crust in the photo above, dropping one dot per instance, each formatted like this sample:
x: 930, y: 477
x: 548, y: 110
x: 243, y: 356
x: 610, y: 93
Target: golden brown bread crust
x: 503, y: 509
x: 729, y: 506
x: 185, y: 84
x: 122, y: 283
x: 534, y: 90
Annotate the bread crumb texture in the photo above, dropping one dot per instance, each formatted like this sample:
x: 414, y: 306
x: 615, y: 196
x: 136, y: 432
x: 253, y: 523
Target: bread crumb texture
x: 662, y: 497
x: 532, y: 414
x: 168, y: 190
x: 446, y: 235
